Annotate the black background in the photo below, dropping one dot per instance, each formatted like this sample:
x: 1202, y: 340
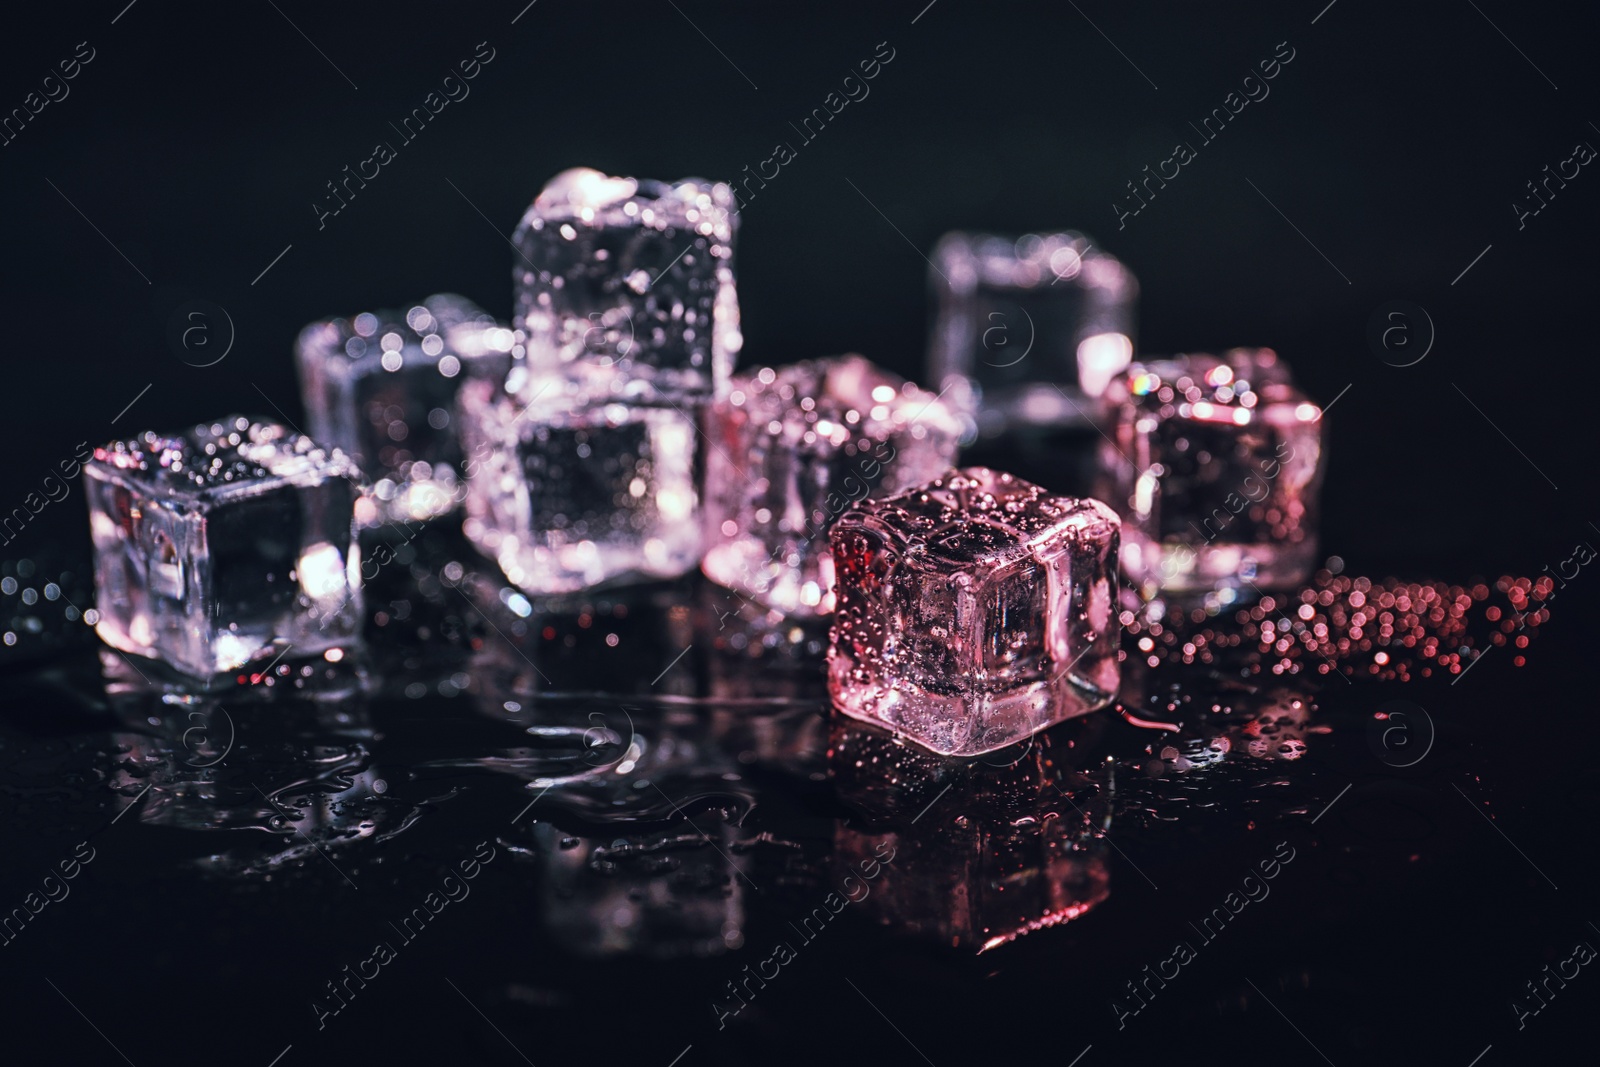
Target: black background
x: 1397, y: 141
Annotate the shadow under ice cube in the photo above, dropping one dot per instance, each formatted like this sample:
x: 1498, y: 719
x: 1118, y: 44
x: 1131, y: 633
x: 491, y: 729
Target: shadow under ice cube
x: 223, y: 547
x: 974, y: 611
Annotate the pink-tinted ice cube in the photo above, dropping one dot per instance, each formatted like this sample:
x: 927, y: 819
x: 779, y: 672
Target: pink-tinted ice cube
x: 973, y: 611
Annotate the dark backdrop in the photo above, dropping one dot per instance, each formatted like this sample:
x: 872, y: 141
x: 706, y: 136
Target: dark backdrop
x: 1391, y: 149
x: 184, y: 164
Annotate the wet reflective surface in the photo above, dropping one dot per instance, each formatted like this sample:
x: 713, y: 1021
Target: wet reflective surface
x: 624, y: 825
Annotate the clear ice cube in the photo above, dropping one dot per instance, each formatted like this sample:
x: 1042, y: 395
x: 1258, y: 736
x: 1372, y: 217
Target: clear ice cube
x: 582, y: 462
x: 1215, y: 464
x: 381, y: 386
x: 795, y: 447
x: 628, y: 285
x: 1035, y: 324
x: 973, y: 611
x: 226, y: 546
x: 568, y: 496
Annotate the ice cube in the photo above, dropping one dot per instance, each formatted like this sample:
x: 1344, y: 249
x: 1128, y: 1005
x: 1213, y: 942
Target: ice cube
x: 567, y: 496
x: 973, y: 611
x: 1035, y: 323
x: 381, y: 387
x: 224, y: 547
x: 1215, y: 464
x: 795, y: 447
x: 628, y: 286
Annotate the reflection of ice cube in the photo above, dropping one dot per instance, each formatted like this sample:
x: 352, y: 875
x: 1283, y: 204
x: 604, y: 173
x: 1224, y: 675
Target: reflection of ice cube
x: 759, y: 659
x: 641, y: 838
x: 381, y: 387
x: 301, y: 778
x: 795, y: 447
x: 227, y: 545
x: 969, y: 853
x: 565, y: 498
x: 627, y: 640
x: 659, y: 894
x: 629, y: 285
x: 1215, y: 467
x: 1024, y: 318
x: 977, y: 884
x: 974, y: 611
